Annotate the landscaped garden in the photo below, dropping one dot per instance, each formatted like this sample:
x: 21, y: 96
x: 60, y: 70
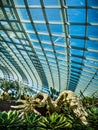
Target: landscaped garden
x: 54, y: 111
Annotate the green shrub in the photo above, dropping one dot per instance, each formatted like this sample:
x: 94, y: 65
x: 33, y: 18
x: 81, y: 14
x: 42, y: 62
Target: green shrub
x: 32, y: 121
x: 55, y: 122
x: 93, y: 117
x: 10, y: 119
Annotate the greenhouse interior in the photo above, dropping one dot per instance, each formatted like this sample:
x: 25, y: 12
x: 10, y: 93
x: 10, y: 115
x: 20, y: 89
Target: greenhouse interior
x: 49, y: 64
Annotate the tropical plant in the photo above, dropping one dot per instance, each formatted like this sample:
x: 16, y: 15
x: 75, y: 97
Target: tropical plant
x: 10, y: 120
x: 91, y: 105
x: 55, y: 122
x: 13, y: 86
x: 32, y: 121
x: 5, y: 85
x: 69, y: 114
x: 93, y: 117
x: 53, y: 93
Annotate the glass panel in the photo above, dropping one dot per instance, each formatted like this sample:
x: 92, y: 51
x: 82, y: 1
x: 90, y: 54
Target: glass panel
x: 93, y: 2
x: 53, y: 15
x: 5, y: 25
x: 74, y: 69
x: 77, y: 52
x: 11, y: 34
x: 7, y: 39
x: 92, y: 70
x: 76, y: 65
x: 58, y: 40
x: 75, y: 2
x: 60, y: 49
x: 77, y: 30
x: 60, y: 56
x: 92, y: 15
x: 50, y: 2
x: 16, y: 26
x: 20, y: 47
x: 28, y: 27
x: 56, y: 28
x: 71, y: 48
x: 24, y: 42
x: 28, y: 49
x: 36, y: 44
x: 41, y: 27
x: 33, y: 2
x: 77, y: 42
x: 92, y: 63
x: 49, y: 53
x: 51, y: 59
x: 76, y: 59
x: 44, y: 38
x: 38, y: 50
x: 47, y: 46
x: 21, y: 13
x: 20, y: 35
x: 19, y: 2
x: 93, y: 31
x: 91, y: 55
x: 92, y: 44
x: 39, y: 15
x: 10, y: 13
x: 33, y: 36
x: 76, y: 15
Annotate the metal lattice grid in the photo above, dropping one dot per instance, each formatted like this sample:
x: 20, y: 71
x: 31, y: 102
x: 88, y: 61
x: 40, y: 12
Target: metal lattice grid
x: 50, y: 43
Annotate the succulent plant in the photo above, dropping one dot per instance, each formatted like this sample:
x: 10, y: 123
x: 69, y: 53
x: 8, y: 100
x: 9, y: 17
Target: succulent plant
x: 32, y: 120
x: 10, y: 119
x: 55, y: 122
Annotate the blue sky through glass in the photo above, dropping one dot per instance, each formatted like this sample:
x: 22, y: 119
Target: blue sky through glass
x: 62, y: 33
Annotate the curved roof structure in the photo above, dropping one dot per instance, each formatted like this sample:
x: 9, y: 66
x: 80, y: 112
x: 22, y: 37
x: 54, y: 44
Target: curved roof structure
x: 50, y: 43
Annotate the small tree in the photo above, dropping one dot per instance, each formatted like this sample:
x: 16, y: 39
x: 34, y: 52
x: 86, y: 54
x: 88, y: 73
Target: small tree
x: 53, y: 93
x: 13, y: 86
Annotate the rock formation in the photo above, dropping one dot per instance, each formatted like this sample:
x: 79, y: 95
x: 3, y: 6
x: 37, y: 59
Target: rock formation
x: 42, y: 100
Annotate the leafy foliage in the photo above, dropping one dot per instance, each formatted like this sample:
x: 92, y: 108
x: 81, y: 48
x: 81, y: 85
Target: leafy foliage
x: 53, y: 93
x: 32, y: 120
x: 75, y: 121
x: 91, y: 105
x: 93, y: 117
x: 55, y: 122
x: 65, y: 120
x: 13, y: 86
x: 90, y: 102
x: 10, y: 119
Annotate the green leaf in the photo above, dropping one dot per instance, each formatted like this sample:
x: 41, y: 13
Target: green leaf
x: 4, y: 115
x: 53, y: 117
x: 43, y: 125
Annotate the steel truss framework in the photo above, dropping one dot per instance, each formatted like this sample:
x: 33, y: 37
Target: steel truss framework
x: 50, y: 43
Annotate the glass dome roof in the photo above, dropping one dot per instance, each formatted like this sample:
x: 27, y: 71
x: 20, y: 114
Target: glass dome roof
x: 50, y: 43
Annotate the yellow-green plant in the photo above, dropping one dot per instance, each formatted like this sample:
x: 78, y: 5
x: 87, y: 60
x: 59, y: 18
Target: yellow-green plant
x: 10, y: 120
x: 93, y: 117
x: 32, y: 121
x: 55, y: 122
